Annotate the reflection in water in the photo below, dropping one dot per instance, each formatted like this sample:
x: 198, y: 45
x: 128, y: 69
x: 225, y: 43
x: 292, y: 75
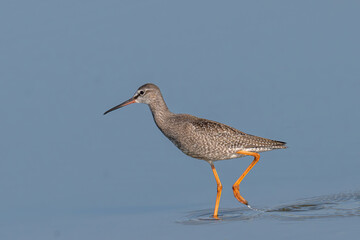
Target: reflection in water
x: 328, y: 206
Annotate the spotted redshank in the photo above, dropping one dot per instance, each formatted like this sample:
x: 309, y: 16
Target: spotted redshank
x: 201, y: 138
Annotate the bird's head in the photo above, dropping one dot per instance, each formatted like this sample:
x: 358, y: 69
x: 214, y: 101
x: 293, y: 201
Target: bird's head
x: 147, y: 93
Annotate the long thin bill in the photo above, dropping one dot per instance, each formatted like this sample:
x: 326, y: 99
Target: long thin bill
x: 127, y: 102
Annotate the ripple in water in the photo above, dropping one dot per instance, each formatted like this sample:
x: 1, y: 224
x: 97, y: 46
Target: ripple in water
x: 327, y: 206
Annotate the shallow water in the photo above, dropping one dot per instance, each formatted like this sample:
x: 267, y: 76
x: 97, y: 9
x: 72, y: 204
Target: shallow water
x: 328, y: 206
x: 285, y: 70
x: 322, y: 217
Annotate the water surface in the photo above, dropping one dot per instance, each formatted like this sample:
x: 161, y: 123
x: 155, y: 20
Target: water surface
x: 340, y: 205
x: 284, y: 70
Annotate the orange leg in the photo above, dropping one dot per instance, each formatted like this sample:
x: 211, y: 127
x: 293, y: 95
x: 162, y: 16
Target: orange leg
x: 236, y: 186
x: 219, y: 189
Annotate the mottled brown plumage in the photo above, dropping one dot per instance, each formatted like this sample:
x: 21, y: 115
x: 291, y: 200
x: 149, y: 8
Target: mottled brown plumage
x: 211, y: 141
x: 201, y: 138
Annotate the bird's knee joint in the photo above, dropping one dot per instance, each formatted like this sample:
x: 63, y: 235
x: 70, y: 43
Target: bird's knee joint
x: 219, y: 188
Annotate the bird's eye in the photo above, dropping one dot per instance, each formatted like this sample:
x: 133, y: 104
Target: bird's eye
x: 141, y: 92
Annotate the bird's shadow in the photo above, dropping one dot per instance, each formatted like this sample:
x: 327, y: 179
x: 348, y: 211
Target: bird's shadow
x: 327, y: 206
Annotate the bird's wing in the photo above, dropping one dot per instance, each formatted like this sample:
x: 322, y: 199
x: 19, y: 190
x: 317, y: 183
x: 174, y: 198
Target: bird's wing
x: 218, y: 132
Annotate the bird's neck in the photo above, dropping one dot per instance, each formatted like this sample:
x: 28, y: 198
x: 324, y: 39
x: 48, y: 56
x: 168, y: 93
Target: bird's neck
x: 160, y: 112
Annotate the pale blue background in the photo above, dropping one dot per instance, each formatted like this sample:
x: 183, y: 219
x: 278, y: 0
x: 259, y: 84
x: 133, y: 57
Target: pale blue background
x: 284, y: 70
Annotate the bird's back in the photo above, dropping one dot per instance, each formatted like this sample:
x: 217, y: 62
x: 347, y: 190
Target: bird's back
x: 209, y: 140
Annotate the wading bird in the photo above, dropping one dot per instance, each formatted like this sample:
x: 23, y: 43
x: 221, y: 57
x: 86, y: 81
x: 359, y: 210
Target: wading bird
x: 201, y: 138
